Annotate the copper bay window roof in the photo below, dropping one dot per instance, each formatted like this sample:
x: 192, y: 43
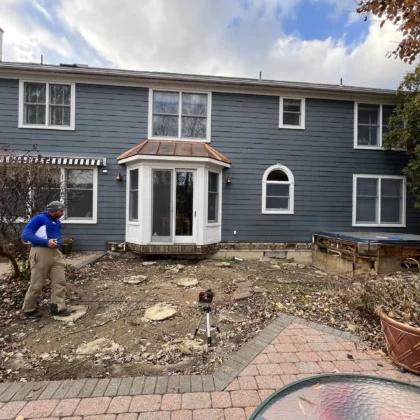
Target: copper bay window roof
x: 174, y: 149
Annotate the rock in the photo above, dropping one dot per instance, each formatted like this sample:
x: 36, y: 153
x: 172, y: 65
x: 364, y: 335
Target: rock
x: 241, y: 295
x: 193, y: 344
x: 290, y: 265
x: 257, y: 289
x: 18, y: 363
x: 301, y: 266
x: 102, y: 345
x: 224, y: 314
x: 77, y: 313
x: 159, y: 312
x: 103, y: 287
x: 149, y: 263
x: 187, y: 282
x: 183, y: 349
x: 244, y: 285
x: 223, y: 264
x: 174, y: 268
x: 135, y: 279
x: 128, y: 255
x: 321, y: 273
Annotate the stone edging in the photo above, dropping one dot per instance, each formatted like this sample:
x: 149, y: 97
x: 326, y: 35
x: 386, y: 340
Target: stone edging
x: 142, y: 385
x: 89, y: 260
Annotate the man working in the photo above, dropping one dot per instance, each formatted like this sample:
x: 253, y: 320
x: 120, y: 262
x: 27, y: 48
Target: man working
x: 44, y: 233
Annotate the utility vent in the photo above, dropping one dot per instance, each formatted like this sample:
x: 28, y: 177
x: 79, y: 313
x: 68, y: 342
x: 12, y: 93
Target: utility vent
x: 81, y: 66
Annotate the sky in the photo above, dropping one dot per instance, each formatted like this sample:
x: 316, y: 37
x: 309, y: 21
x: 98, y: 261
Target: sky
x: 318, y: 41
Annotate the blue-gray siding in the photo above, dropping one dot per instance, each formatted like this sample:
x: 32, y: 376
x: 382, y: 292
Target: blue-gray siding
x: 321, y: 157
x: 110, y: 120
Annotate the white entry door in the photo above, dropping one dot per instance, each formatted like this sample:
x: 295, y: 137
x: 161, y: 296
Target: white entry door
x: 173, y: 206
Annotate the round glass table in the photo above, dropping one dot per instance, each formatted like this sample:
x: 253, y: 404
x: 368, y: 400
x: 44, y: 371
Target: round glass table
x: 342, y: 397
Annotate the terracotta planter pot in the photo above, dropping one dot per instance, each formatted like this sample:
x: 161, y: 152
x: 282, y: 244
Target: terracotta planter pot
x: 402, y: 341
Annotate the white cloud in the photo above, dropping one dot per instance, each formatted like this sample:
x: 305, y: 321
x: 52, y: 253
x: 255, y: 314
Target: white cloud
x: 327, y: 61
x: 203, y: 37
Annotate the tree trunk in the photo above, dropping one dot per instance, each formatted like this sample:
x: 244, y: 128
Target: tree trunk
x: 12, y: 259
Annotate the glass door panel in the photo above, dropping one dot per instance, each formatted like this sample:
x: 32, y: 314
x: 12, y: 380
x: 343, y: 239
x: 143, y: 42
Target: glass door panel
x: 184, y: 205
x: 162, y: 206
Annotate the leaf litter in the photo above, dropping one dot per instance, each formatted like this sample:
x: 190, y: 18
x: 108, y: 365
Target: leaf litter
x: 35, y: 350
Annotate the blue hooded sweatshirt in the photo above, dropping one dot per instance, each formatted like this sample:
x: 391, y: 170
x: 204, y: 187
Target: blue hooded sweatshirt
x: 41, y: 229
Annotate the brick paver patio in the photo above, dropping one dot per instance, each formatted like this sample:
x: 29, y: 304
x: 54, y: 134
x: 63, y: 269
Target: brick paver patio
x: 287, y: 350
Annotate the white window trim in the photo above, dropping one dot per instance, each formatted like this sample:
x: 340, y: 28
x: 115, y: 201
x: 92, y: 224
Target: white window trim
x: 356, y: 128
x: 94, y: 219
x: 379, y: 177
x: 219, y: 188
x: 133, y: 222
x: 179, y: 138
x: 291, y: 182
x: 302, y: 114
x: 46, y: 126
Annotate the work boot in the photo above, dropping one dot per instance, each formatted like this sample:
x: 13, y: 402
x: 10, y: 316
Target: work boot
x: 33, y: 314
x: 61, y: 312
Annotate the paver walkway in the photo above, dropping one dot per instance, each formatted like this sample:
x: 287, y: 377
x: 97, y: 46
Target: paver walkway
x: 287, y: 350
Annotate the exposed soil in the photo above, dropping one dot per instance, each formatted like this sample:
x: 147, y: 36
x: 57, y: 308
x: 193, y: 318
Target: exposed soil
x: 46, y: 349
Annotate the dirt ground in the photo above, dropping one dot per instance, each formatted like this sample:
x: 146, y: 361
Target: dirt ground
x: 130, y: 344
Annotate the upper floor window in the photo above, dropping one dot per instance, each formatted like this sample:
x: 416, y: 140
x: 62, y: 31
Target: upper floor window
x: 292, y: 113
x: 278, y: 190
x: 378, y: 200
x: 371, y: 123
x: 179, y: 115
x: 47, y: 105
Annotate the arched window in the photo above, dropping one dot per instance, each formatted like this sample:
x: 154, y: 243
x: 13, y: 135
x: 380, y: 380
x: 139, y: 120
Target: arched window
x: 278, y: 190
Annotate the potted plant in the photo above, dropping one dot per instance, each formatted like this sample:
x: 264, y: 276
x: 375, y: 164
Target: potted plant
x: 67, y: 245
x: 402, y: 341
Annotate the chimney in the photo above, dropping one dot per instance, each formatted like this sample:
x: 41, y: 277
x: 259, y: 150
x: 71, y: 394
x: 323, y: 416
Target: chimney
x: 1, y: 44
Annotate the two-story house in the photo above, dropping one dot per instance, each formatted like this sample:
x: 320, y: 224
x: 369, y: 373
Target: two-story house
x: 175, y: 160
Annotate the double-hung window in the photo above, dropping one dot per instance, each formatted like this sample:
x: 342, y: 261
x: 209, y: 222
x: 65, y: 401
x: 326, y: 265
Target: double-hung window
x: 179, y: 115
x: 379, y: 200
x: 292, y: 113
x: 370, y: 124
x: 133, y: 203
x: 77, y: 188
x: 213, y: 198
x: 47, y: 105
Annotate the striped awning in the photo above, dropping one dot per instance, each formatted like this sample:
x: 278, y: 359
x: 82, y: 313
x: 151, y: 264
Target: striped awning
x: 75, y: 161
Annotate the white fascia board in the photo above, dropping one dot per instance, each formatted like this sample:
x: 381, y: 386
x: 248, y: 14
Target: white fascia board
x: 145, y: 158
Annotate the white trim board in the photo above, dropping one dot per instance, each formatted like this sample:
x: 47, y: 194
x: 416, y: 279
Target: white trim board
x: 378, y: 214
x: 146, y: 158
x: 46, y: 126
x: 147, y: 83
x: 180, y: 92
x: 291, y: 184
x: 302, y: 113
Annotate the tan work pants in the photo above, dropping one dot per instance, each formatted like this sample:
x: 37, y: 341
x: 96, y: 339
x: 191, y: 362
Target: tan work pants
x: 46, y: 263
